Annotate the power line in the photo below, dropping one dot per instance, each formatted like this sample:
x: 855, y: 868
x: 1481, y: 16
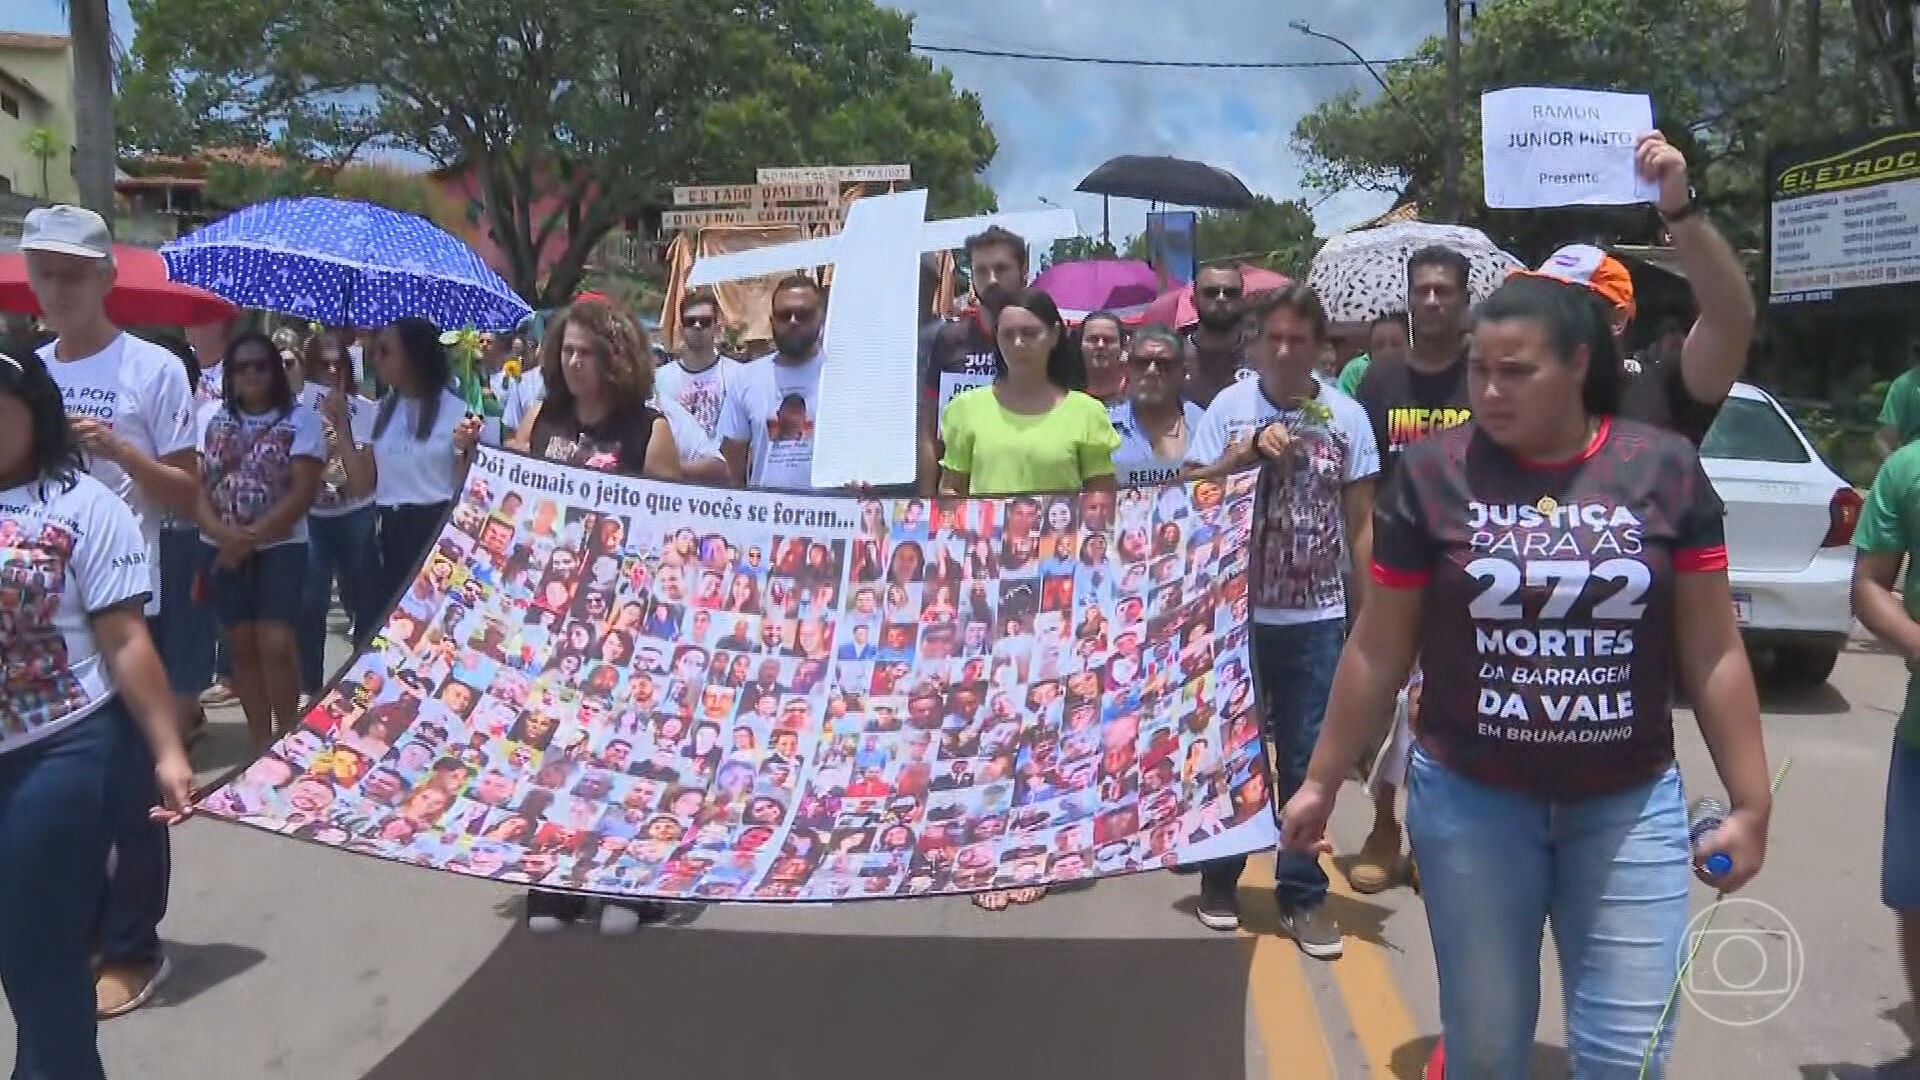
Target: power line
x: 1121, y: 61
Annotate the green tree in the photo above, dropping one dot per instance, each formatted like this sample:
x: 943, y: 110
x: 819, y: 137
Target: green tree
x: 1077, y: 249
x: 575, y: 116
x: 1275, y: 234
x: 1715, y: 78
x: 42, y: 143
x: 233, y: 185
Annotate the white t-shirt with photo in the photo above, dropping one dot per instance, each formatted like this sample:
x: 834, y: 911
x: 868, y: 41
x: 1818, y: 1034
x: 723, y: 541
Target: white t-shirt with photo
x: 66, y: 554
x: 770, y: 406
x: 701, y: 393
x: 416, y: 472
x: 331, y: 503
x: 134, y: 387
x: 246, y: 462
x: 1299, y: 539
x: 1134, y: 463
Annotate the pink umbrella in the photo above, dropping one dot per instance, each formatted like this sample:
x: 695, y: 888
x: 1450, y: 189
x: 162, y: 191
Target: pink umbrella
x: 1093, y: 284
x: 1175, y: 308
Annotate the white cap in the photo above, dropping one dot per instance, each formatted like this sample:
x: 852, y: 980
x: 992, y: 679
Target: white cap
x: 67, y: 230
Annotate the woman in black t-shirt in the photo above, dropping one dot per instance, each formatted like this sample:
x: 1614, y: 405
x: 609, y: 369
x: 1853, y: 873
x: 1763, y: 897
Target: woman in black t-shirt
x: 598, y: 370
x: 1557, y: 569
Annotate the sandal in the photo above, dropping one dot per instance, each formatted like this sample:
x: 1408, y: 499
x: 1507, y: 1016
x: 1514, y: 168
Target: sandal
x: 1029, y: 895
x: 997, y: 900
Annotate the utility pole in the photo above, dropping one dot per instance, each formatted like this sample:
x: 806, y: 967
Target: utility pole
x: 1450, y: 174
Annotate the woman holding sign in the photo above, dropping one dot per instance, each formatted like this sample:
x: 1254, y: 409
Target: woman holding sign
x: 1542, y: 783
x: 1034, y: 430
x: 598, y: 369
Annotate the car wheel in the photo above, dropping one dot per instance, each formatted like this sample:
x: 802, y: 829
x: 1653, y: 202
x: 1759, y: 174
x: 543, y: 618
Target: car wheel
x: 1803, y: 667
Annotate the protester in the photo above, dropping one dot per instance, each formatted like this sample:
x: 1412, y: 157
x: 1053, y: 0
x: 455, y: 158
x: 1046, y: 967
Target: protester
x: 343, y: 542
x: 1428, y: 391
x: 1515, y: 821
x: 698, y: 380
x: 1154, y: 422
x: 134, y: 424
x: 1887, y: 537
x: 185, y: 631
x: 1216, y: 356
x: 262, y: 453
x: 598, y: 371
x: 1318, y: 461
x: 1387, y: 339
x: 1899, y: 418
x: 81, y: 678
x: 1034, y: 430
x: 964, y: 353
x: 415, y: 465
x: 1102, y: 345
x: 766, y: 422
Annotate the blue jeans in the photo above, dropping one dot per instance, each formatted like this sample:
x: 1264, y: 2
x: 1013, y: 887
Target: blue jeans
x: 184, y: 632
x: 1611, y: 873
x: 346, y: 547
x: 53, y: 845
x: 135, y: 898
x: 1293, y: 667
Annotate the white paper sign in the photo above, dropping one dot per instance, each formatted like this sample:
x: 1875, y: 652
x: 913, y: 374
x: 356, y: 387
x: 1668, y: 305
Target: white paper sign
x: 1547, y: 146
x: 955, y: 383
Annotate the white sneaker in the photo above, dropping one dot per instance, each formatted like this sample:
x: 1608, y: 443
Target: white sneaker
x: 618, y: 919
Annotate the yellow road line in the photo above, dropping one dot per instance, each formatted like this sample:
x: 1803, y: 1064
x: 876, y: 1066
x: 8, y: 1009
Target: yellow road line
x: 1382, y: 1023
x: 1291, y: 1032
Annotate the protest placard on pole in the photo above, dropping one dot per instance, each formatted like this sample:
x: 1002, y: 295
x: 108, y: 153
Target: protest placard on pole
x: 1551, y: 146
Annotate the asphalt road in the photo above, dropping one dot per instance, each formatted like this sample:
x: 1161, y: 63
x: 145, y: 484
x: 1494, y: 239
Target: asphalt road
x: 295, y: 961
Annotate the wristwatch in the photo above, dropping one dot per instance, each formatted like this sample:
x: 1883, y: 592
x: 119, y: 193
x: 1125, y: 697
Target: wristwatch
x: 1675, y: 217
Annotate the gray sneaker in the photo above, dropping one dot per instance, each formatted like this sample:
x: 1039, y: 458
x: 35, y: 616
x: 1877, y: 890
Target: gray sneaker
x: 1313, y: 930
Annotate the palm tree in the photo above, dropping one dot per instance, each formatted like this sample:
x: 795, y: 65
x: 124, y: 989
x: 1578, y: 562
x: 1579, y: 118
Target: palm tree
x: 91, y: 32
x: 43, y: 143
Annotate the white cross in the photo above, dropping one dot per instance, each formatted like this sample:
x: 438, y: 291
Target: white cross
x: 865, y: 428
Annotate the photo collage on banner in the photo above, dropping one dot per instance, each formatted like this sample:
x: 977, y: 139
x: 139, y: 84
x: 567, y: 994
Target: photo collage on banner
x: 637, y: 688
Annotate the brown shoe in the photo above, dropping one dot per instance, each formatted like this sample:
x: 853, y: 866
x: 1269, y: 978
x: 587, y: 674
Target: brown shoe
x: 1372, y: 869
x: 119, y: 989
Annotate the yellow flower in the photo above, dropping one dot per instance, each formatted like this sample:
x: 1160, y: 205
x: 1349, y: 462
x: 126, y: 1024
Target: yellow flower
x: 511, y: 369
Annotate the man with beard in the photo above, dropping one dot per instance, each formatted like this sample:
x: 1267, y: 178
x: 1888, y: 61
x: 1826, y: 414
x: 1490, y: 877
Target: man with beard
x: 963, y: 354
x: 1216, y: 349
x: 766, y: 420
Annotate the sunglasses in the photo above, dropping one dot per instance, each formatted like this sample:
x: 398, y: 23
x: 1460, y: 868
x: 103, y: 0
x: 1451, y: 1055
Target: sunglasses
x: 794, y: 318
x: 696, y: 322
x: 1156, y: 363
x: 1220, y: 292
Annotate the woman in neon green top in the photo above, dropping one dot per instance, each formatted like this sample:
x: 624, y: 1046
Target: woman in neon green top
x: 1033, y: 431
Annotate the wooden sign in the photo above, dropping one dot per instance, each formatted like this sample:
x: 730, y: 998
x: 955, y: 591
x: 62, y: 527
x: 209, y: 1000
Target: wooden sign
x: 761, y: 194
x: 751, y: 215
x: 838, y: 174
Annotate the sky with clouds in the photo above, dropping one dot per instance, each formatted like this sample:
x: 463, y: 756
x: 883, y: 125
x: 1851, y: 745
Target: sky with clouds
x: 1056, y: 121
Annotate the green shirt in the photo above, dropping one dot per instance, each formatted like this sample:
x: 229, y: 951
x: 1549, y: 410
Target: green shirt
x: 1008, y: 453
x: 1901, y: 410
x: 1351, y: 375
x: 1890, y: 525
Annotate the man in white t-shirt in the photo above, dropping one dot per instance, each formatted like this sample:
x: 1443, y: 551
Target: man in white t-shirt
x: 698, y: 380
x: 766, y: 423
x: 1316, y: 452
x: 134, y: 417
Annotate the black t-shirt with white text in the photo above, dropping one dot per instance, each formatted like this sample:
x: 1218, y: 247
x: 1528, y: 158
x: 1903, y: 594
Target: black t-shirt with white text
x: 1548, y: 642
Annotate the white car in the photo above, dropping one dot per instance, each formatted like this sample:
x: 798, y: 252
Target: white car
x: 1790, y: 522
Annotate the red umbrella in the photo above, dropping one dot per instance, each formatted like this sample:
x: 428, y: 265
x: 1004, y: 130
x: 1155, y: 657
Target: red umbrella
x: 1175, y: 308
x: 141, y: 296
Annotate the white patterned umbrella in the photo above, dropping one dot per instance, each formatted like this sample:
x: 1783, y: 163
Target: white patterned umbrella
x: 1362, y: 275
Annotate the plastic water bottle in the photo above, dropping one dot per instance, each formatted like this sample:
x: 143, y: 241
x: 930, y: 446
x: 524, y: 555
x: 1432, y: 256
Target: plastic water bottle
x: 1704, y: 818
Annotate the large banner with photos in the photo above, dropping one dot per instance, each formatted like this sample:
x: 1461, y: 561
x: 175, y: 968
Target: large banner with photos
x: 649, y: 689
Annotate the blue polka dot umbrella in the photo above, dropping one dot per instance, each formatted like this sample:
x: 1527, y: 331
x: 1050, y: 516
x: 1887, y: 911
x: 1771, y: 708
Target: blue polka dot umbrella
x: 344, y: 263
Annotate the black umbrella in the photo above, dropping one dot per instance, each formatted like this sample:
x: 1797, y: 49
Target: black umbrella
x: 1169, y: 180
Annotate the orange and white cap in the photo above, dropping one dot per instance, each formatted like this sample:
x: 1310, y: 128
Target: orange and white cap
x: 1584, y: 264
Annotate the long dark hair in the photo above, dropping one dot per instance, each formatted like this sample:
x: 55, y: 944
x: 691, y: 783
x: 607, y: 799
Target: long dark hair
x: 53, y: 452
x: 1066, y: 367
x: 1572, y: 316
x: 432, y: 373
x: 282, y: 394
